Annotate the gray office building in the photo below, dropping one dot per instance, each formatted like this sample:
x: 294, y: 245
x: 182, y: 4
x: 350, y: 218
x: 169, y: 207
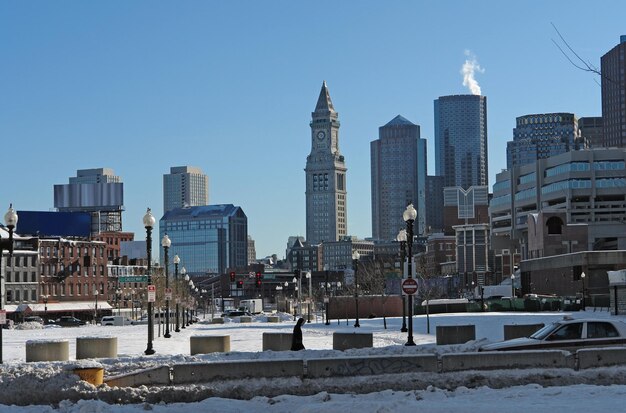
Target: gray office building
x: 185, y: 186
x: 398, y: 162
x: 96, y: 191
x: 613, y: 79
x: 461, y: 140
x: 541, y: 136
x: 326, y: 203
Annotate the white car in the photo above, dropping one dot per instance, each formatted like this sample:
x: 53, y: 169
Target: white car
x: 568, y: 334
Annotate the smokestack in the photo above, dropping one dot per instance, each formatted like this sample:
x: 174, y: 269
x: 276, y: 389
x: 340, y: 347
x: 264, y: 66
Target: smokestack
x: 470, y: 67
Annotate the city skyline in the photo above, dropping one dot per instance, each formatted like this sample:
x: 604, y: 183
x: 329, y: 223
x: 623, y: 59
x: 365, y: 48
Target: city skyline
x: 229, y: 88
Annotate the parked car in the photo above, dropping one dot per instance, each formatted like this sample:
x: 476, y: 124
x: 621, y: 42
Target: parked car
x: 33, y: 319
x: 568, y: 334
x: 69, y: 321
x: 235, y: 313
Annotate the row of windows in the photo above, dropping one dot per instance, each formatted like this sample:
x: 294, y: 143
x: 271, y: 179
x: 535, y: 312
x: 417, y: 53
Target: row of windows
x: 23, y: 278
x: 45, y: 251
x: 565, y: 185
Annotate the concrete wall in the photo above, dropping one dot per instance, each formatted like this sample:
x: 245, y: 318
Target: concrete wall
x: 590, y: 358
x: 370, y: 365
x: 507, y: 360
x: 201, y: 372
x: 455, y: 334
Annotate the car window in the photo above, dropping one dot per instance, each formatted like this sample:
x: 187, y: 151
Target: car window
x: 571, y: 331
x: 545, y: 331
x: 599, y: 329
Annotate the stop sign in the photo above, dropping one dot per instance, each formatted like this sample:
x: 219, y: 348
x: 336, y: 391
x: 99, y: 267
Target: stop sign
x: 409, y: 286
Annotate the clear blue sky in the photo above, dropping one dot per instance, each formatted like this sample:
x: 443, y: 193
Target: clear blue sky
x: 229, y: 86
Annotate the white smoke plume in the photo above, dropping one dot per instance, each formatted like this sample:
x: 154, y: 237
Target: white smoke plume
x: 470, y: 67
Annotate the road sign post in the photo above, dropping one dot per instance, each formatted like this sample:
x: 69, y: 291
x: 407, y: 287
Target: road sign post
x: 151, y: 293
x: 409, y: 286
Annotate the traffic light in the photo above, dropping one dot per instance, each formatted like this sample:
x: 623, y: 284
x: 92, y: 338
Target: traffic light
x: 296, y: 273
x: 232, y: 276
x: 258, y: 283
x: 240, y: 284
x: 259, y: 279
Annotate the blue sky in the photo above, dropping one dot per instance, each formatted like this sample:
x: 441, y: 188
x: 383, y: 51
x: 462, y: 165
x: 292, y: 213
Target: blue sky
x: 229, y: 86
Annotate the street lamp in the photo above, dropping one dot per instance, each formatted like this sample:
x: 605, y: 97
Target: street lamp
x: 279, y: 288
x: 176, y: 262
x: 326, y: 297
x: 132, y: 303
x: 10, y: 219
x: 409, y: 216
x: 512, y: 285
x: 118, y: 297
x: 355, y: 262
x: 183, y: 272
x: 148, y: 223
x: 189, y: 303
x: 308, y: 312
x: 582, y: 277
x: 166, y: 243
x: 286, y: 301
x: 401, y: 238
x: 95, y: 312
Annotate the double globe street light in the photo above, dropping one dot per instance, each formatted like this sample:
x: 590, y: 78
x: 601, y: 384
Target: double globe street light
x: 10, y: 219
x: 409, y: 216
x: 166, y: 243
x: 148, y: 223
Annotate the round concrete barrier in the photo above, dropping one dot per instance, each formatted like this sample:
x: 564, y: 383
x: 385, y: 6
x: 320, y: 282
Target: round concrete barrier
x: 209, y: 344
x: 277, y: 341
x: 273, y: 319
x: 245, y: 319
x: 96, y: 347
x: 217, y: 320
x: 344, y: 341
x: 47, y: 350
x: 93, y: 376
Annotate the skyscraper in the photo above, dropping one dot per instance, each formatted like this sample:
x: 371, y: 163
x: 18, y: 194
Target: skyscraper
x: 461, y: 140
x: 326, y: 213
x: 613, y: 80
x: 185, y: 186
x: 541, y: 136
x: 398, y: 162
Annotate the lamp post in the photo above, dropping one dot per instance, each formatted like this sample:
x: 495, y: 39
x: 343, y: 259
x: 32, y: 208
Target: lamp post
x: 401, y: 238
x: 183, y: 272
x: 95, y: 312
x: 148, y: 223
x: 286, y: 301
x: 279, y: 288
x: 118, y: 297
x: 409, y: 216
x: 10, y: 219
x: 582, y: 277
x: 308, y: 312
x: 176, y: 262
x: 326, y: 297
x: 189, y: 303
x: 166, y: 243
x: 512, y: 285
x: 295, y: 292
x: 132, y: 303
x: 355, y: 263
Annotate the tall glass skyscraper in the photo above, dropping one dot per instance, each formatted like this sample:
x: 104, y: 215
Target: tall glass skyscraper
x: 208, y: 239
x: 398, y: 162
x: 461, y: 140
x: 185, y: 186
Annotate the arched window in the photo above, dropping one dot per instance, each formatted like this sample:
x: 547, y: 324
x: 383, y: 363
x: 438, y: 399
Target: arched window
x: 555, y: 226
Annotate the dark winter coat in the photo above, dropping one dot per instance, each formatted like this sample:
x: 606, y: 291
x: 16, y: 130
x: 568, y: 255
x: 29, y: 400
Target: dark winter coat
x: 296, y: 340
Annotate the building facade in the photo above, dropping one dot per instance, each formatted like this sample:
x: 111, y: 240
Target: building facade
x: 185, y: 186
x: 465, y: 206
x: 398, y: 168
x: 591, y: 130
x: 613, y: 80
x: 208, y: 239
x: 96, y: 191
x: 326, y: 203
x: 434, y: 206
x: 589, y: 186
x: 541, y: 136
x: 461, y: 140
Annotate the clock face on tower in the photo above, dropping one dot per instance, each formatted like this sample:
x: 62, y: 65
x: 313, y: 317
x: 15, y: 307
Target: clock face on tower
x: 321, y: 135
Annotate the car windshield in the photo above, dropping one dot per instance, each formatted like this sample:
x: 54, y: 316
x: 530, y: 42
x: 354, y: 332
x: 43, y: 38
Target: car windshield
x: 545, y: 331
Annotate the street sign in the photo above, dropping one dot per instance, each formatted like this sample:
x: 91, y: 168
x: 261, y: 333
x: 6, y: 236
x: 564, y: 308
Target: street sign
x: 3, y: 316
x: 168, y: 294
x: 134, y: 279
x: 409, y: 286
x: 151, y: 293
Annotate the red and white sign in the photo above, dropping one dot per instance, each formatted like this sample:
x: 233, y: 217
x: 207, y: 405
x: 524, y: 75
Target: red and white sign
x: 409, y: 286
x: 168, y: 294
x: 3, y: 316
x: 151, y: 293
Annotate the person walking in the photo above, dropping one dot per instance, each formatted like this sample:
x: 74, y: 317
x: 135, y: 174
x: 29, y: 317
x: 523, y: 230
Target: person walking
x: 296, y: 338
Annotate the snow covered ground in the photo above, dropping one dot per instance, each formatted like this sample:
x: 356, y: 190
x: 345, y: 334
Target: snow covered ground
x: 42, y: 387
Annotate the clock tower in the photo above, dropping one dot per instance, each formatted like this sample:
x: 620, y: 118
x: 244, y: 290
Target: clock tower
x: 326, y: 214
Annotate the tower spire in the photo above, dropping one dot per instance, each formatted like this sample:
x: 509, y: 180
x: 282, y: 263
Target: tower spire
x: 323, y: 102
